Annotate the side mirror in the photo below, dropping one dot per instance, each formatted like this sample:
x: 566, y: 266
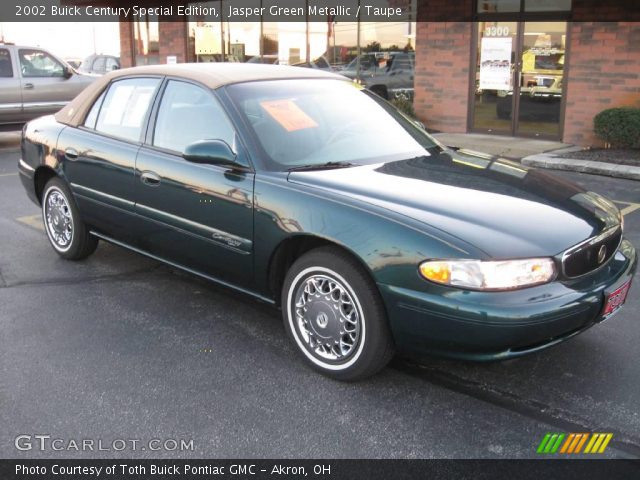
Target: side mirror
x: 115, y: 67
x: 213, y: 152
x: 67, y: 72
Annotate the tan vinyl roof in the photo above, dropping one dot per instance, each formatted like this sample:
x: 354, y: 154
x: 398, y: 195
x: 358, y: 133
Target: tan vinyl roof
x: 213, y: 75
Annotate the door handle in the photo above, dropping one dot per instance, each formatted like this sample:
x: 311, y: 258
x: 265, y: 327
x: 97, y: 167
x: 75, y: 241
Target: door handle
x: 28, y: 86
x: 71, y: 153
x: 150, y: 178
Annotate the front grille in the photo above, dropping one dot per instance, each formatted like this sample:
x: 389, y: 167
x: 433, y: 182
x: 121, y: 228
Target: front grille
x: 584, y: 258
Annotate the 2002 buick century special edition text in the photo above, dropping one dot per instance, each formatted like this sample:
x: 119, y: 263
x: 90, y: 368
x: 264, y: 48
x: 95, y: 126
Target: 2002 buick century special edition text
x: 297, y: 187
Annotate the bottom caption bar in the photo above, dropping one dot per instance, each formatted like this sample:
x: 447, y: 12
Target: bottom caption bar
x: 317, y: 469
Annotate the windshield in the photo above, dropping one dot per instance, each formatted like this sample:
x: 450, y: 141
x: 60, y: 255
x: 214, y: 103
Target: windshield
x: 312, y: 122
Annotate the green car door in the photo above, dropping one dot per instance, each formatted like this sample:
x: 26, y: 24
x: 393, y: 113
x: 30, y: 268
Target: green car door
x: 197, y: 215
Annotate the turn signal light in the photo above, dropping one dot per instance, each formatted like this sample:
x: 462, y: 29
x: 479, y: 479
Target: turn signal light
x: 438, y: 272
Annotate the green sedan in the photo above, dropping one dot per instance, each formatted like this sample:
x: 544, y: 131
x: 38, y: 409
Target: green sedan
x: 300, y: 189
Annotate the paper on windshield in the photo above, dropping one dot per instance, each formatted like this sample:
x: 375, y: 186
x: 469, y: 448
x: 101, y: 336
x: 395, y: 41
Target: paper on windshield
x: 288, y: 114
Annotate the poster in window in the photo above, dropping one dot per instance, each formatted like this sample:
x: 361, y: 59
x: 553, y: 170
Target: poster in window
x: 495, y: 63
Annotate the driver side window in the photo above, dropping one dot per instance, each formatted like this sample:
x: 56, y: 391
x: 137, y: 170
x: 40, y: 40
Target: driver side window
x: 37, y: 63
x: 187, y: 114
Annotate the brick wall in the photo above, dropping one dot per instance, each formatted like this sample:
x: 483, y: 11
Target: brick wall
x: 603, y: 71
x: 609, y: 11
x: 443, y: 52
x: 126, y: 46
x: 173, y: 41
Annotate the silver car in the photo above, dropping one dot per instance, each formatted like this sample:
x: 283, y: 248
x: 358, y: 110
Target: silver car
x: 33, y: 82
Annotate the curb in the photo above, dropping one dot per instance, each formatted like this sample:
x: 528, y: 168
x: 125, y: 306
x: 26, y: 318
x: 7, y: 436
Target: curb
x: 548, y: 160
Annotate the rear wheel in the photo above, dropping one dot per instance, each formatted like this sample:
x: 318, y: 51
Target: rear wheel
x: 335, y: 316
x: 67, y: 233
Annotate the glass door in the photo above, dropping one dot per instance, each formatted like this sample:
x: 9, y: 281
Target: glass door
x: 518, y: 86
x: 540, y: 82
x: 494, y: 77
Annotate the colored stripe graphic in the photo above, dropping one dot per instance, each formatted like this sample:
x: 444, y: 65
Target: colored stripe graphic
x: 543, y: 443
x: 572, y: 443
x: 606, y: 442
x: 594, y: 437
x: 556, y: 445
x: 581, y: 443
x: 599, y: 443
x: 577, y: 439
x: 551, y: 442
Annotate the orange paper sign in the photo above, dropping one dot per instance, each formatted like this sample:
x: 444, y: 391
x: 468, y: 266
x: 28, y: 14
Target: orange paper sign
x: 288, y: 114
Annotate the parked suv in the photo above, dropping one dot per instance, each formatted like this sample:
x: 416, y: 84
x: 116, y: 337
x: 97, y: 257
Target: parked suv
x: 99, y: 64
x: 389, y: 76
x: 33, y: 82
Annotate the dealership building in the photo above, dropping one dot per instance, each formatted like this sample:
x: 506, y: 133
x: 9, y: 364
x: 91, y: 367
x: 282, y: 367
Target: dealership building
x: 525, y: 68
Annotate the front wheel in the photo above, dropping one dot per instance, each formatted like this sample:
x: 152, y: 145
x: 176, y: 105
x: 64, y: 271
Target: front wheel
x: 335, y: 316
x: 68, y: 235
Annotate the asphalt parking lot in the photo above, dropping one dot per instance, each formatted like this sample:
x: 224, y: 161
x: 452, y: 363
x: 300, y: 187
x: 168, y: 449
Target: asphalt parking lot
x: 121, y: 347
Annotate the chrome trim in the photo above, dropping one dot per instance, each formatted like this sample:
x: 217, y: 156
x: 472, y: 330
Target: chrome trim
x: 82, y: 190
x: 10, y: 106
x: 26, y: 166
x: 218, y: 236
x: 588, y: 243
x: 34, y: 105
x: 160, y: 222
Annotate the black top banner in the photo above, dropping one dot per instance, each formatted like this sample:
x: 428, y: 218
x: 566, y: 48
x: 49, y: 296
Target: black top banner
x: 317, y: 10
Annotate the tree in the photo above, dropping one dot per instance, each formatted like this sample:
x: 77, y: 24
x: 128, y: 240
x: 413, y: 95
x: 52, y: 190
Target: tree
x: 373, y: 47
x: 269, y: 45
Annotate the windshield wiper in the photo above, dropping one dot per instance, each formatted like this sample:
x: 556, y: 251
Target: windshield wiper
x: 321, y: 166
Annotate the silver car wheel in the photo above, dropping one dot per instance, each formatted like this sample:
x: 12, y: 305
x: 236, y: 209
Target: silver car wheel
x: 58, y: 219
x: 326, y: 318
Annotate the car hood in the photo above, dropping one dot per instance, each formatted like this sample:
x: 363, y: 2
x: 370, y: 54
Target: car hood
x: 499, y: 206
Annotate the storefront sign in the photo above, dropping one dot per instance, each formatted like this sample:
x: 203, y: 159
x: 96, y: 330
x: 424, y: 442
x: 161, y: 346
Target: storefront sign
x: 495, y: 63
x: 207, y: 42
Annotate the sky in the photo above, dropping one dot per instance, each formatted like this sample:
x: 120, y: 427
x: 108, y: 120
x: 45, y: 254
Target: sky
x: 65, y: 39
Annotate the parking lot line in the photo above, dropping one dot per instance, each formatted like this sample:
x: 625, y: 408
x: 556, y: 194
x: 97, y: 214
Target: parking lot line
x: 630, y: 207
x: 8, y: 174
x: 34, y: 221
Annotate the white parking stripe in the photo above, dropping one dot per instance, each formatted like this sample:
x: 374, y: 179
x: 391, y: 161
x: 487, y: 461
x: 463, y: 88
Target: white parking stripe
x: 34, y: 221
x: 630, y: 207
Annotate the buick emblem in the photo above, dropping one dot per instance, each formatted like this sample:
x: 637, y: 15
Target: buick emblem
x: 602, y: 254
x: 322, y: 320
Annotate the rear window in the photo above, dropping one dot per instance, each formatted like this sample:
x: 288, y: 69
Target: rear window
x: 125, y: 107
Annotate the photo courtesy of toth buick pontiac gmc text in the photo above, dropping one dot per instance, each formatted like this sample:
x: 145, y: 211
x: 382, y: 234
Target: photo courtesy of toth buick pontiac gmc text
x: 304, y: 190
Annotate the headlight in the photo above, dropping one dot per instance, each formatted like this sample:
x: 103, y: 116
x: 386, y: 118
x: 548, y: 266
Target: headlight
x: 493, y: 275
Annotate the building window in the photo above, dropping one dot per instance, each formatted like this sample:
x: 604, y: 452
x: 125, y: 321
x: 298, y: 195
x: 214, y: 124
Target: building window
x: 206, y: 39
x: 146, y: 49
x: 242, y: 38
x: 498, y: 6
x: 384, y: 49
x: 516, y: 6
x: 547, y: 5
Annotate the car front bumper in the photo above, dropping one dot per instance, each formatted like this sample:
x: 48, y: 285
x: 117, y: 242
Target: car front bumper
x: 485, y: 326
